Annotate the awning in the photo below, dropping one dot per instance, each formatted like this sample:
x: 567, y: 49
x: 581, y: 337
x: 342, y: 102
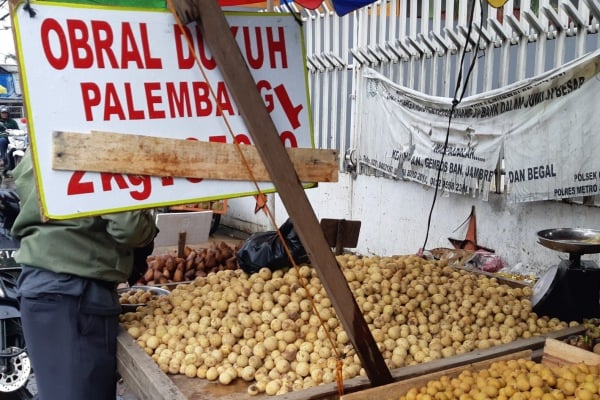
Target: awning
x: 341, y: 7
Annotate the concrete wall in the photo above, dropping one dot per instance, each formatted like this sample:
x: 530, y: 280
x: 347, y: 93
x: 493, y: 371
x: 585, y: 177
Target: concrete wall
x: 394, y: 219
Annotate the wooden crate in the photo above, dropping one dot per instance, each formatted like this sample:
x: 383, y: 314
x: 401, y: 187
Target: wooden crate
x: 396, y: 389
x: 145, y: 379
x: 555, y: 352
x: 560, y: 353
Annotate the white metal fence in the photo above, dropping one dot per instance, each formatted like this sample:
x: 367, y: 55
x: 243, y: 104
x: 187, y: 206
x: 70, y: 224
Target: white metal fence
x: 418, y: 44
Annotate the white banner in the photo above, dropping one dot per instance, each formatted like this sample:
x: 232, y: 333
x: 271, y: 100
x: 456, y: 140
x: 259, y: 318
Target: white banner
x: 544, y: 123
x: 124, y: 70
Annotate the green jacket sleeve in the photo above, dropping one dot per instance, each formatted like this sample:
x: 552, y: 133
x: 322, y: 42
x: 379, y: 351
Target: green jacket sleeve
x: 131, y: 228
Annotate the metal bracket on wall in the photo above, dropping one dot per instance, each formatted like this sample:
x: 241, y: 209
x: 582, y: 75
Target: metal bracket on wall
x: 350, y: 162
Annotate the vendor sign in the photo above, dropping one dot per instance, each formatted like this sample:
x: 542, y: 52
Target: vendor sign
x: 128, y: 70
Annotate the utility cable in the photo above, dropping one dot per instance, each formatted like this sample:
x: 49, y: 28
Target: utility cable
x: 455, y: 102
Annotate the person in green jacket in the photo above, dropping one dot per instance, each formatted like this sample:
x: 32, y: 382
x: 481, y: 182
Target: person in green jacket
x: 67, y: 292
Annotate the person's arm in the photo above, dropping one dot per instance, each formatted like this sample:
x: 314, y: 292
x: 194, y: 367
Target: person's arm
x: 131, y: 228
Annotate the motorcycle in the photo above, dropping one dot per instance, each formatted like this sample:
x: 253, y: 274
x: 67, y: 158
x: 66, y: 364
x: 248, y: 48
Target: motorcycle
x: 16, y: 375
x: 18, y: 141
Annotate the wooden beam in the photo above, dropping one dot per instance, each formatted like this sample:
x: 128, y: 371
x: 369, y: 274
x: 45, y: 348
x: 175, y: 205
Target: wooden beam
x: 147, y: 155
x: 146, y: 379
x: 217, y: 35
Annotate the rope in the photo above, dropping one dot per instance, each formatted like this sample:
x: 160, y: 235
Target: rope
x: 339, y: 363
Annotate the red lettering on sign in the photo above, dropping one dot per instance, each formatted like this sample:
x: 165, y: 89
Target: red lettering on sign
x: 129, y: 50
x: 254, y: 60
x: 91, y: 97
x: 185, y: 58
x: 49, y: 28
x: 179, y: 100
x: 291, y: 112
x: 159, y: 100
x: 133, y: 113
x: 153, y: 100
x: 185, y: 54
x: 106, y: 179
x: 139, y: 186
x: 151, y: 62
x: 288, y: 137
x: 90, y: 43
x: 223, y: 100
x: 257, y: 43
x: 242, y: 139
x: 76, y: 184
x: 202, y: 99
x: 207, y: 62
x: 144, y: 182
x: 112, y: 105
x: 103, y: 40
x: 167, y: 181
x: 80, y: 48
x: 268, y: 98
x: 276, y: 46
x: 255, y: 49
x: 217, y: 139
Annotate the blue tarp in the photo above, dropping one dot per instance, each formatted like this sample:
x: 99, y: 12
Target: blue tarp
x: 7, y: 85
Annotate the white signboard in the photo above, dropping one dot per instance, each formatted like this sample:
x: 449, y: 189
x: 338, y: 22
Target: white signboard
x: 131, y: 71
x: 547, y: 126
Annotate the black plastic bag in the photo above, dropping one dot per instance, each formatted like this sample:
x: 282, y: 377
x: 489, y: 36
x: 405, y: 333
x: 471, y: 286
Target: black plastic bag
x: 264, y: 249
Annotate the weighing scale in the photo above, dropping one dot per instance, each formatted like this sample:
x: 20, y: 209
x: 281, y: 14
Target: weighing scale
x: 569, y: 291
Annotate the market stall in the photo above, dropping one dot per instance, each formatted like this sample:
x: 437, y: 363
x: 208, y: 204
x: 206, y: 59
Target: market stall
x: 493, y: 313
x: 342, y: 323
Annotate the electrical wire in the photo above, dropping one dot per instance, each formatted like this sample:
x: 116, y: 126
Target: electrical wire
x: 455, y: 102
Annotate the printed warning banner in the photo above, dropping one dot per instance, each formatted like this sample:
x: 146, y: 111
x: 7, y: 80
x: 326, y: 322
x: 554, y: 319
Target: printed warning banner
x: 543, y: 125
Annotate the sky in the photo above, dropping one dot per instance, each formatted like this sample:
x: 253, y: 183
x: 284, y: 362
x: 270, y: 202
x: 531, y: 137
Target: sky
x: 6, y: 36
x: 6, y: 46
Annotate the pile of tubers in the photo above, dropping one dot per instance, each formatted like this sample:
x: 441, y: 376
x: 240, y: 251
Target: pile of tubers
x: 169, y: 268
x: 136, y: 296
x: 272, y: 329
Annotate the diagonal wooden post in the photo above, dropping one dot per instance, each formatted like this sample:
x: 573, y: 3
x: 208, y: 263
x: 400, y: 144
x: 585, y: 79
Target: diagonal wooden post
x: 217, y: 35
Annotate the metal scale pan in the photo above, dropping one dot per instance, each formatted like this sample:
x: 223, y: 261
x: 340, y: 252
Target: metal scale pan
x: 575, y: 241
x: 570, y: 289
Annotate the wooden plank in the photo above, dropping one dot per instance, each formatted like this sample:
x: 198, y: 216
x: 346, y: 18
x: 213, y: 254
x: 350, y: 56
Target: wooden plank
x: 142, y: 374
x: 559, y: 353
x: 147, y: 155
x: 217, y: 35
x: 534, y: 343
x: 396, y: 389
x: 340, y: 233
x: 417, y: 375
